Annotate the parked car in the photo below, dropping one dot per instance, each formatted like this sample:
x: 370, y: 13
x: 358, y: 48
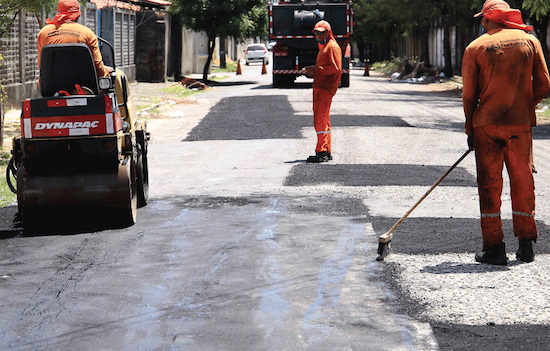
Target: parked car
x: 256, y: 53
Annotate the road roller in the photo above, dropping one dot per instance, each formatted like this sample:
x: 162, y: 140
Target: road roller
x: 80, y: 143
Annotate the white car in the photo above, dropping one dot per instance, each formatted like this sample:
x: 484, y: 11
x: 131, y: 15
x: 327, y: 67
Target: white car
x: 256, y: 53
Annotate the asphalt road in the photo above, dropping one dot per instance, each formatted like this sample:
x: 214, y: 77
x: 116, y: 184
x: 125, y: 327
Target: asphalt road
x: 245, y: 246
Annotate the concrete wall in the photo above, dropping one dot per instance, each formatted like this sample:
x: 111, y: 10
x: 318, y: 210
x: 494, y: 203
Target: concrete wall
x: 19, y: 69
x: 118, y: 28
x: 151, y: 53
x: 194, y: 52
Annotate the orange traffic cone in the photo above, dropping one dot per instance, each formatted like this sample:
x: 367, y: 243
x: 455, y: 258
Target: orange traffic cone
x: 264, y: 68
x: 239, y: 70
x: 366, y: 68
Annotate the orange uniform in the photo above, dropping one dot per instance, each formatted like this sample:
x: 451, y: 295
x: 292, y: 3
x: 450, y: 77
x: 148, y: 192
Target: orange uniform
x: 505, y: 69
x: 328, y: 71
x: 509, y: 67
x: 72, y: 33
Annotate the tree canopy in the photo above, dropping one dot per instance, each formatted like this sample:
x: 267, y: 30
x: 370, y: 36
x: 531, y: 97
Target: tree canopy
x: 9, y: 9
x: 222, y: 18
x: 382, y: 21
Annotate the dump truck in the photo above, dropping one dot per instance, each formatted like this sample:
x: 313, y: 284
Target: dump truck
x: 291, y: 24
x: 80, y: 143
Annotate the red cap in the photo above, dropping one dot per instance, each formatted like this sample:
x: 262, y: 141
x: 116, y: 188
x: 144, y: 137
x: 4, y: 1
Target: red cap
x: 322, y: 26
x: 490, y: 5
x: 499, y: 11
x: 67, y: 11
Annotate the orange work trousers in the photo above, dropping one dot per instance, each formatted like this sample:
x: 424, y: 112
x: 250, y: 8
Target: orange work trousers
x: 322, y: 99
x: 496, y: 145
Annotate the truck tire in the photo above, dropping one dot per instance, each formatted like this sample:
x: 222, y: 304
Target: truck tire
x: 142, y: 170
x: 344, y: 81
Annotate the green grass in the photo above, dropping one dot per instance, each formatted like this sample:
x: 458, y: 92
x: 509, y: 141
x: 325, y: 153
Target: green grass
x: 6, y: 196
x: 230, y: 67
x: 180, y: 91
x: 218, y: 78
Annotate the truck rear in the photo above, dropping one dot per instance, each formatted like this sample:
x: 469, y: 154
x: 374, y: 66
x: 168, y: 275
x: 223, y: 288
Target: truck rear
x: 291, y: 25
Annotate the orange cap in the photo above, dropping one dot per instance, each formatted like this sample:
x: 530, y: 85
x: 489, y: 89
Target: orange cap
x: 322, y: 26
x: 499, y: 11
x: 67, y: 11
x: 490, y: 5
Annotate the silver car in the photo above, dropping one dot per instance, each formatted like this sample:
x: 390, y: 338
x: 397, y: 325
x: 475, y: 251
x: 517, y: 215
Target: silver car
x: 256, y: 53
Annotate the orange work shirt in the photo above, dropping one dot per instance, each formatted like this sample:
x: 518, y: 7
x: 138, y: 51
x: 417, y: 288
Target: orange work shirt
x: 328, y: 67
x: 72, y: 33
x: 508, y: 68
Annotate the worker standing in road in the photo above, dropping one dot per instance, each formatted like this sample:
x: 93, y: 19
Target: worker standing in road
x: 64, y: 29
x: 505, y: 76
x: 326, y: 78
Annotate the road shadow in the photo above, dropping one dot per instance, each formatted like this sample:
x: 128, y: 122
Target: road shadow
x: 57, y: 220
x: 376, y: 175
x: 299, y: 85
x: 541, y: 132
x: 213, y: 83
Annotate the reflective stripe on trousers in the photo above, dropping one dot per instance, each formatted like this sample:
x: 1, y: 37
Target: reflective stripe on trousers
x: 494, y: 147
x: 322, y: 100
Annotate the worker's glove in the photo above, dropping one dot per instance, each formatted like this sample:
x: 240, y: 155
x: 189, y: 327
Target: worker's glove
x: 470, y: 141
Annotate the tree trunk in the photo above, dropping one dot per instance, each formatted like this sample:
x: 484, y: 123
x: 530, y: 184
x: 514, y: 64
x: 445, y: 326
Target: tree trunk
x: 223, y: 49
x: 425, y: 50
x: 1, y: 118
x: 448, y: 70
x: 541, y: 28
x: 211, y: 47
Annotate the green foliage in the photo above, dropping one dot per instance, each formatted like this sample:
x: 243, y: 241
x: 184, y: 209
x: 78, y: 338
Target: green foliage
x: 380, y: 20
x: 9, y: 9
x: 230, y: 67
x: 390, y: 66
x: 537, y: 8
x: 223, y: 18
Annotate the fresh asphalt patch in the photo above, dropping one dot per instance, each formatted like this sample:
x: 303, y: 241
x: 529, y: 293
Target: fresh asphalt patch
x: 435, y: 236
x: 376, y: 175
x: 367, y: 121
x: 243, y: 118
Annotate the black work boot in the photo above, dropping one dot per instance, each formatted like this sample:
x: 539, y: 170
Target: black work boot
x: 525, y: 252
x: 320, y: 157
x: 496, y: 255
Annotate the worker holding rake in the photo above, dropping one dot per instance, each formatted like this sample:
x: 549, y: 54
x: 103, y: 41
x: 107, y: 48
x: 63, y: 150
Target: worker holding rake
x: 505, y: 76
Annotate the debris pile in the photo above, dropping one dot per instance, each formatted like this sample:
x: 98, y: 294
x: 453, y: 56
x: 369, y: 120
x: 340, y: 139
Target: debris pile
x: 191, y: 83
x: 417, y: 73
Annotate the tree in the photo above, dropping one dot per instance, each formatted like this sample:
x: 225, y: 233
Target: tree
x: 539, y: 10
x: 383, y: 20
x: 222, y: 18
x: 9, y: 10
